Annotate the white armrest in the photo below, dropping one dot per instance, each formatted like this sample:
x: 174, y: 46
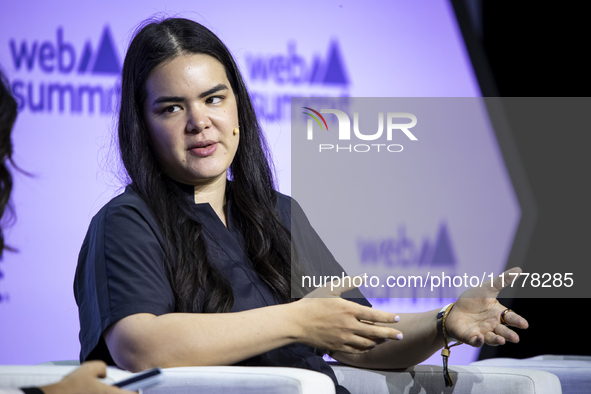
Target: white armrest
x: 429, y: 379
x: 243, y: 380
x: 15, y: 376
x: 574, y: 372
x: 261, y: 380
x: 226, y: 380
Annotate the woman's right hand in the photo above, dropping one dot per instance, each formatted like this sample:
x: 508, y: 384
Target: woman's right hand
x: 322, y: 320
x: 325, y: 320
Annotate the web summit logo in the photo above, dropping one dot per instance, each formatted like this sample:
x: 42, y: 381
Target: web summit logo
x: 60, y: 60
x: 344, y: 131
x: 294, y: 69
x: 402, y: 251
x: 401, y: 255
x: 276, y: 78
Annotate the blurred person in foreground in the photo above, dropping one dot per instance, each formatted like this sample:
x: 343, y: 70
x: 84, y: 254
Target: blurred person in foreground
x: 84, y: 380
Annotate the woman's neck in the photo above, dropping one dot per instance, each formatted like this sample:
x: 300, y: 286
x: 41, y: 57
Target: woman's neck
x: 213, y: 193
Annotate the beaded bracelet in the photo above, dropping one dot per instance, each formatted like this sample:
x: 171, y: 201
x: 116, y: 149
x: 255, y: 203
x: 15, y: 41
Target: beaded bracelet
x: 445, y: 352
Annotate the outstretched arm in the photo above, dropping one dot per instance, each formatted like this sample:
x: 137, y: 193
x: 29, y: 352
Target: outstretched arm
x: 142, y: 341
x: 474, y: 320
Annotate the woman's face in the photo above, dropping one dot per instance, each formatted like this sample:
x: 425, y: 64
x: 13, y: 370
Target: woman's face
x: 191, y: 113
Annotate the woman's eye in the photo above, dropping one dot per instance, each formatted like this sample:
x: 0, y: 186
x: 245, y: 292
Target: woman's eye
x: 171, y: 109
x: 214, y: 100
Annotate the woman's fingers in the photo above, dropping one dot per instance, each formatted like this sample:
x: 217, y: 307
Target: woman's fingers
x: 476, y: 340
x: 492, y: 339
x: 507, y: 333
x: 360, y: 344
x: 337, y: 324
x: 375, y: 331
x: 514, y: 320
x: 371, y: 315
x: 499, y: 336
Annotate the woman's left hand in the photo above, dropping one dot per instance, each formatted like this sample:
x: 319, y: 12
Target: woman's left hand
x: 475, y: 318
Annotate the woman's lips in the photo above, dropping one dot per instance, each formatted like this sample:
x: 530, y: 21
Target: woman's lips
x: 205, y: 150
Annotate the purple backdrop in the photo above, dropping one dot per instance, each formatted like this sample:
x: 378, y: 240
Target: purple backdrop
x: 63, y: 60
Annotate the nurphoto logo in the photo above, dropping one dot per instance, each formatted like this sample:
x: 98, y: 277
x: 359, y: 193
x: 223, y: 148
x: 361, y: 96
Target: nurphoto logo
x: 344, y: 130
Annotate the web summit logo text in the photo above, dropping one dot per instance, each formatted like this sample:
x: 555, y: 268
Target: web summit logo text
x: 57, y: 77
x: 402, y: 255
x: 275, y: 78
x: 344, y: 132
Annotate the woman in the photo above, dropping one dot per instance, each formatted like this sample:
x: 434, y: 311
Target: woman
x: 163, y: 262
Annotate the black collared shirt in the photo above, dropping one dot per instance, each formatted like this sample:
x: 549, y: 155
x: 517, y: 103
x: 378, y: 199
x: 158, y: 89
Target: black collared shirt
x: 121, y: 272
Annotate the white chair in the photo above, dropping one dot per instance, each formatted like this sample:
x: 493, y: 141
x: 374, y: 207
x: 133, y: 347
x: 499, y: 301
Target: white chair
x: 229, y: 380
x: 574, y: 372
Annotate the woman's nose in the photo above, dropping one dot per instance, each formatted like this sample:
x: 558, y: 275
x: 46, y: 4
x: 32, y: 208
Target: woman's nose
x: 197, y: 121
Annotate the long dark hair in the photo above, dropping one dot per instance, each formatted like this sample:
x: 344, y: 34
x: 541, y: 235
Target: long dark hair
x: 197, y: 285
x: 8, y: 111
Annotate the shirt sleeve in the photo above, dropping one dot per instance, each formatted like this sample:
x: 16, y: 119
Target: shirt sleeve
x: 120, y: 270
x: 310, y: 255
